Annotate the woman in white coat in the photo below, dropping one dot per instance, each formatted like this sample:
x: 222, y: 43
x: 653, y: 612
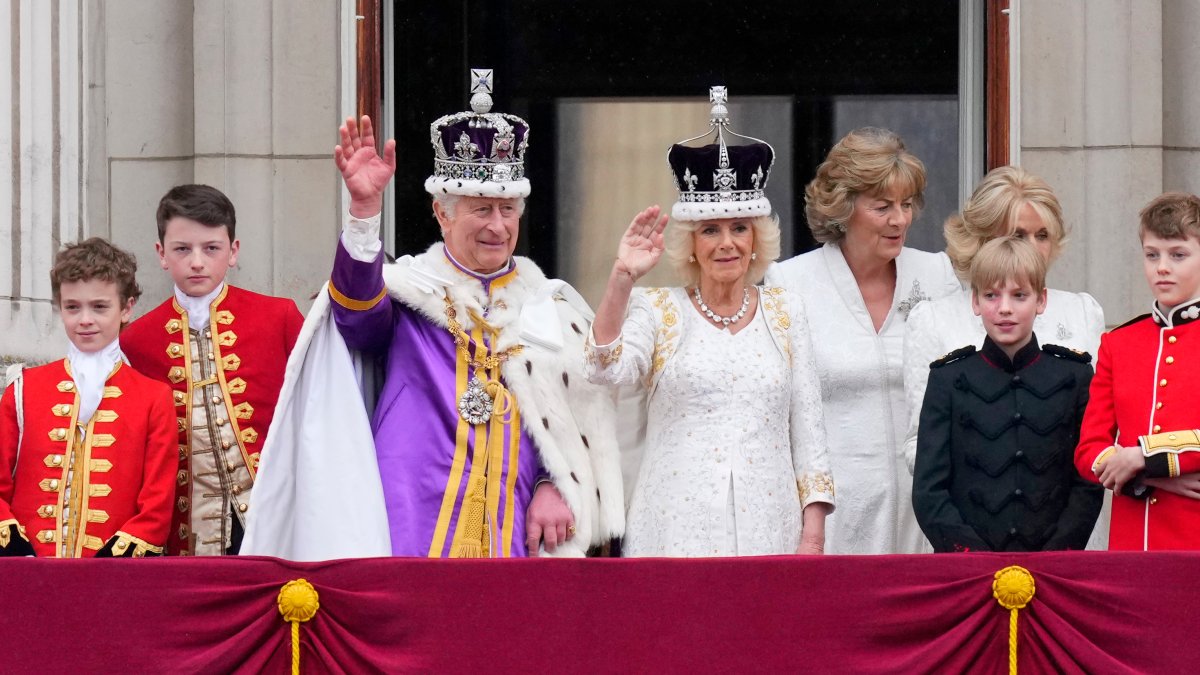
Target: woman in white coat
x: 734, y: 458
x: 1008, y: 202
x: 858, y: 289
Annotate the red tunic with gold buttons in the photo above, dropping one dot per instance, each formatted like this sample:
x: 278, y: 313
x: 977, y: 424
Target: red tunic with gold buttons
x: 76, y: 488
x: 244, y: 351
x: 1148, y: 382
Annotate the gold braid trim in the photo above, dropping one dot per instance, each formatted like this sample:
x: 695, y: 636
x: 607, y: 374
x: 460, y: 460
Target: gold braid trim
x: 140, y: 546
x: 352, y: 304
x: 6, y: 532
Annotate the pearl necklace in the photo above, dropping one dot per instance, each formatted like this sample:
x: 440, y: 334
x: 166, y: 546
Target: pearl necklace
x: 724, y: 320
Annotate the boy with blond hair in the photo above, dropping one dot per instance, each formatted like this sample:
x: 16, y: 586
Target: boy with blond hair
x: 998, y: 426
x: 1139, y: 436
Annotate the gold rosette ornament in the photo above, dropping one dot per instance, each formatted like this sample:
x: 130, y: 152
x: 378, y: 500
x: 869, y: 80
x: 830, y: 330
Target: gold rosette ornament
x: 298, y: 602
x: 1013, y: 588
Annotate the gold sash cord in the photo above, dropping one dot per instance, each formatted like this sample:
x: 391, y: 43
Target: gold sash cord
x: 298, y: 602
x: 1013, y: 588
x: 476, y: 516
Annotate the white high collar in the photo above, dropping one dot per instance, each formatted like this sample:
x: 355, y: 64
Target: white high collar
x: 197, y: 308
x: 90, y: 371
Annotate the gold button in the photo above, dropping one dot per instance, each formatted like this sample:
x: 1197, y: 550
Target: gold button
x: 1158, y: 406
x: 1162, y: 382
x: 1158, y: 429
x: 174, y: 349
x: 221, y: 420
x: 207, y: 333
x: 1154, y: 500
x: 69, y: 386
x: 237, y: 489
x: 229, y: 467
x: 1170, y: 359
x: 243, y: 507
x: 225, y: 445
x: 56, y: 460
x: 211, y: 356
x: 53, y: 483
x: 216, y: 399
x: 1172, y: 339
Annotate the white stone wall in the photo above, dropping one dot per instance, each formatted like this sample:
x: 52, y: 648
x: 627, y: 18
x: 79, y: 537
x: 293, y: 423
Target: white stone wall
x: 1107, y: 99
x: 41, y: 163
x: 116, y: 101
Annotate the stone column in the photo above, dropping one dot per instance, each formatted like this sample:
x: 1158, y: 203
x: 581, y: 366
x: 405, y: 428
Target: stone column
x: 1092, y: 92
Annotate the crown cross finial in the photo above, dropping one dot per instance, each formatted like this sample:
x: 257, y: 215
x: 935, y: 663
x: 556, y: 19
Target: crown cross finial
x: 481, y: 90
x: 718, y: 97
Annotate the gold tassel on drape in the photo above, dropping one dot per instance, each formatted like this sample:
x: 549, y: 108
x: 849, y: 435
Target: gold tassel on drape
x: 298, y: 602
x: 1013, y: 588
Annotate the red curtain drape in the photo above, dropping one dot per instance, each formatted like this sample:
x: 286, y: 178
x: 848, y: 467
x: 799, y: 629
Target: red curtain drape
x: 1092, y: 612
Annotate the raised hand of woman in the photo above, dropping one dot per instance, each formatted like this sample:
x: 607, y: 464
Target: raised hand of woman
x: 642, y: 244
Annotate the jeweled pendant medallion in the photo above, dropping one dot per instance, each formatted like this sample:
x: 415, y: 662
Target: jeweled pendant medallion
x: 475, y: 406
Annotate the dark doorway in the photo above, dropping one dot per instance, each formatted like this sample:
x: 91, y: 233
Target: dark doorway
x: 820, y: 55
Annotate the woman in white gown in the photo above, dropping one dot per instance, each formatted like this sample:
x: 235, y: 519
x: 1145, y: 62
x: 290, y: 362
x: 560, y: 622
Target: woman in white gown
x: 858, y: 289
x: 1008, y: 202
x: 734, y: 456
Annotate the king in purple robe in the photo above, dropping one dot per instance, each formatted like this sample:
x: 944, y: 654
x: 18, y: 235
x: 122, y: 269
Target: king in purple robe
x: 489, y: 441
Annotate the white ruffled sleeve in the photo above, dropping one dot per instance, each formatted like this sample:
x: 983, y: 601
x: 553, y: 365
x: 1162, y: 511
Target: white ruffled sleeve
x: 628, y: 358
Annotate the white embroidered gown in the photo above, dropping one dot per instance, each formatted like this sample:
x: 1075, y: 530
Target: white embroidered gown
x: 863, y: 388
x: 733, y: 437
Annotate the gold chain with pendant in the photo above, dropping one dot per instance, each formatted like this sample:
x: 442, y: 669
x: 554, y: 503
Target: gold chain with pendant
x: 483, y: 399
x: 490, y: 361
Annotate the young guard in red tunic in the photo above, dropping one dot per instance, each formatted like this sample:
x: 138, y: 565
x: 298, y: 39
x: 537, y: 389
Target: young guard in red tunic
x: 87, y: 444
x: 1139, y: 435
x: 223, y: 350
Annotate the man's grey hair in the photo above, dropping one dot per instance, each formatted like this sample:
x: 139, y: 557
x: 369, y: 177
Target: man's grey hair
x: 449, y: 204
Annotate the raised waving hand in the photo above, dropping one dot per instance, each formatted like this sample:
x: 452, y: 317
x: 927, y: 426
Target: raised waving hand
x: 642, y: 244
x: 365, y: 173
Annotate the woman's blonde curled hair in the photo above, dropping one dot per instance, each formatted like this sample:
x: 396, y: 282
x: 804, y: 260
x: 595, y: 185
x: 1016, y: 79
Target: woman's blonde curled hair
x: 993, y: 209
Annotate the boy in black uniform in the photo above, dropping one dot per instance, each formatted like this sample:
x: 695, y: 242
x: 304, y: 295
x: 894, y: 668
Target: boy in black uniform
x: 995, y: 469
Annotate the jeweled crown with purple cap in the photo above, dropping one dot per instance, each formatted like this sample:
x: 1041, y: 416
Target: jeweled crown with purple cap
x: 720, y: 180
x: 479, y: 152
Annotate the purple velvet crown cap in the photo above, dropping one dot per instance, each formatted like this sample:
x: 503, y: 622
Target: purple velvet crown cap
x: 712, y: 187
x: 479, y: 153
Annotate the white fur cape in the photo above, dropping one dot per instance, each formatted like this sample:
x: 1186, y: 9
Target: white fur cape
x: 318, y: 494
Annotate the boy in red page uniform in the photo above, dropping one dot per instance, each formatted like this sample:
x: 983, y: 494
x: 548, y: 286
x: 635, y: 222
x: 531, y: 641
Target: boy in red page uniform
x: 87, y: 444
x: 223, y: 350
x: 1139, y: 435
